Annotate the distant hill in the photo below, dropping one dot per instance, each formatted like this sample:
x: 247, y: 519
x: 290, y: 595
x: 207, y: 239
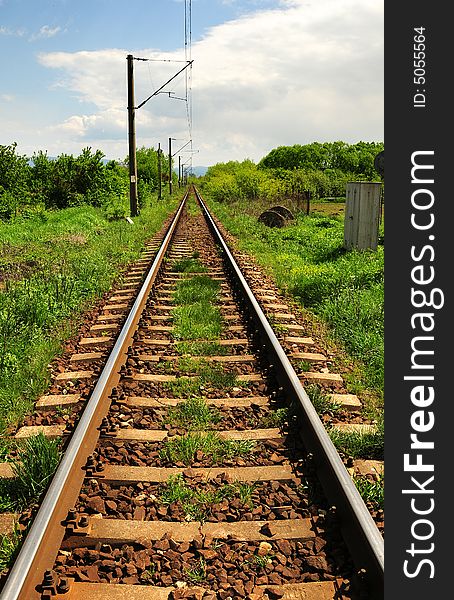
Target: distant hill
x: 198, y: 171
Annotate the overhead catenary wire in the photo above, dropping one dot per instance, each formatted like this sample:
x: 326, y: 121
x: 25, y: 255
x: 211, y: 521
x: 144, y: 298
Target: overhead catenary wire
x: 187, y: 69
x: 188, y: 56
x: 163, y: 85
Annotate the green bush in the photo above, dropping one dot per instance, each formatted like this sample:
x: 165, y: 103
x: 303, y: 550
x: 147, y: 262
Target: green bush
x: 29, y: 186
x: 115, y: 208
x: 14, y: 182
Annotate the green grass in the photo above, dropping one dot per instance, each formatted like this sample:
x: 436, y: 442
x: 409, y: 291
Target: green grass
x: 201, y: 349
x: 371, y: 491
x: 188, y: 265
x: 192, y: 206
x: 342, y: 288
x: 207, y: 375
x: 197, y: 574
x: 214, y: 376
x: 148, y: 573
x: 36, y: 461
x: 6, y: 444
x: 194, y: 413
x: 321, y: 401
x: 278, y: 328
x: 184, y: 387
x: 261, y: 561
x: 245, y: 491
x: 184, y: 448
x: 197, y: 321
x: 195, y: 317
x: 53, y: 268
x: 197, y: 289
x: 197, y: 503
x: 304, y: 365
x: 368, y: 445
x: 276, y: 418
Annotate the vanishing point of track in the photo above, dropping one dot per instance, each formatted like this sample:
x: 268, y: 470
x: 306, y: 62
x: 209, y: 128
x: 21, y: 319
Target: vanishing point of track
x: 103, y: 530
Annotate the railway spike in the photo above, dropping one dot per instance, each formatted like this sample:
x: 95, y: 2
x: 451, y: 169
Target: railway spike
x: 333, y: 515
x: 49, y: 584
x: 72, y: 515
x: 90, y: 465
x: 63, y: 585
x: 83, y: 521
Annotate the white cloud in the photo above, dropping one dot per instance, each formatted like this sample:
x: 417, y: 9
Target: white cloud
x: 106, y: 125
x: 6, y: 97
x: 12, y: 32
x: 295, y: 74
x: 45, y: 32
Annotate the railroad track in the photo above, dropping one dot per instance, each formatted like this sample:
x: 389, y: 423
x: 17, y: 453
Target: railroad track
x: 198, y: 467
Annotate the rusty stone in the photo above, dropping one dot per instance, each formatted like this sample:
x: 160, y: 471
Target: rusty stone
x: 139, y: 513
x: 284, y: 546
x: 317, y: 562
x: 96, y: 504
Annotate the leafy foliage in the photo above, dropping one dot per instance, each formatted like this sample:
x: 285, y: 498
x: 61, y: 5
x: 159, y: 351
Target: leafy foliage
x: 319, y: 169
x: 356, y: 158
x: 231, y: 181
x: 68, y: 180
x: 29, y: 186
x: 14, y: 181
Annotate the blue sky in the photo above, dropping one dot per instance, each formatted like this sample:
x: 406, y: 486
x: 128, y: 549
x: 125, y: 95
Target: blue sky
x: 266, y: 73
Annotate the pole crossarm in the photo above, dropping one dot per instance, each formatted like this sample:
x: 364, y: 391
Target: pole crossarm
x: 175, y: 153
x: 189, y: 62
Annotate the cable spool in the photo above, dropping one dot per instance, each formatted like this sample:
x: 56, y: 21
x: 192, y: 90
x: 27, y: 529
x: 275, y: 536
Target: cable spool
x: 271, y: 218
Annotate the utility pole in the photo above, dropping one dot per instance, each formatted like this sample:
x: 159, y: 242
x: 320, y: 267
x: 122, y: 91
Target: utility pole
x: 170, y: 166
x: 179, y: 171
x: 159, y: 173
x: 133, y: 203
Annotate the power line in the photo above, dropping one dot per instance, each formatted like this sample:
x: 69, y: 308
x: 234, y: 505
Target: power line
x: 188, y: 52
x: 159, y: 60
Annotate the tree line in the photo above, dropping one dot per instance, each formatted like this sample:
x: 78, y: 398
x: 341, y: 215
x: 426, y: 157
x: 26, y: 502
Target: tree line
x: 320, y: 170
x: 30, y: 185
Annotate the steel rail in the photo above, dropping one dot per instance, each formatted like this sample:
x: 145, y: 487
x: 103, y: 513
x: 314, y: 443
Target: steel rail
x: 36, y: 555
x: 360, y: 533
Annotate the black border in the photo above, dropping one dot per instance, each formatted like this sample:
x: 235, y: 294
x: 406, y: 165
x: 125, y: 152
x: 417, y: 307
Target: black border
x: 410, y: 129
